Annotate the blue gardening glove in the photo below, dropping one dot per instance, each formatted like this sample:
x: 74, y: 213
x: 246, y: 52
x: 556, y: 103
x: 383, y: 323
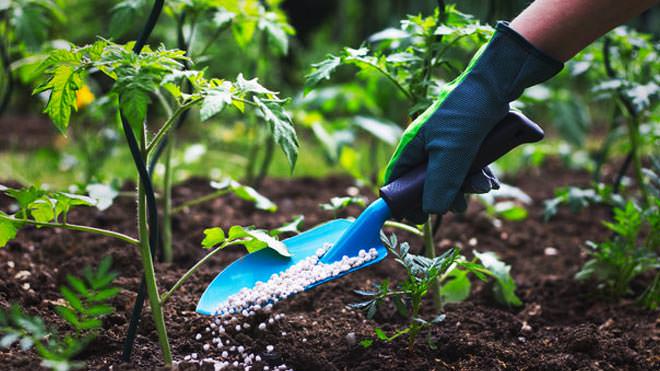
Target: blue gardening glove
x: 448, y: 134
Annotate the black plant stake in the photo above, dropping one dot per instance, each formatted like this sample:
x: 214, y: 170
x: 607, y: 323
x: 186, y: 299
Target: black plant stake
x: 145, y: 179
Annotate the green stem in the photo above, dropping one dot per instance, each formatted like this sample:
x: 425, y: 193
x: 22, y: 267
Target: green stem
x: 167, y: 202
x: 404, y: 227
x: 394, y: 81
x: 75, y: 227
x: 265, y: 161
x: 429, y: 251
x: 252, y: 155
x: 149, y: 272
x: 633, y: 133
x: 194, y: 268
x: 168, y: 125
x: 198, y: 200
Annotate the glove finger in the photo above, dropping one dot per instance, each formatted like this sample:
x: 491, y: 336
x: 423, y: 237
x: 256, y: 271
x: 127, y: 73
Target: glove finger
x: 494, y: 181
x: 478, y: 182
x: 459, y: 205
x: 444, y: 178
x: 416, y: 216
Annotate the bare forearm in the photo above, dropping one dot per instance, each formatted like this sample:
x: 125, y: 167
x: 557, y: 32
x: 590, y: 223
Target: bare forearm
x: 561, y: 28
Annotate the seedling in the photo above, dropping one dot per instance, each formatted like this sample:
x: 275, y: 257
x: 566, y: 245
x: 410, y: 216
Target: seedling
x: 450, y: 271
x: 86, y: 305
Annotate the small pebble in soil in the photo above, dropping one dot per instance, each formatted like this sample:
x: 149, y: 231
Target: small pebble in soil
x: 550, y: 251
x: 351, y: 339
x: 198, y: 337
x: 262, y: 326
x: 270, y: 348
x: 206, y: 347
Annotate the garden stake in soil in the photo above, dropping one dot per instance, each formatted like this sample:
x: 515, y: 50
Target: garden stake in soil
x: 348, y: 238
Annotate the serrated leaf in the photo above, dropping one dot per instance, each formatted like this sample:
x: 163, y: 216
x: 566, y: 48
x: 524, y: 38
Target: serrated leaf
x: 134, y: 103
x: 505, y: 286
x: 215, y: 100
x: 281, y: 128
x: 64, y: 83
x: 213, y: 237
x: 321, y: 71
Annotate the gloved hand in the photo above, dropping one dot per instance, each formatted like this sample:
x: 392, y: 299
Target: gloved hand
x: 448, y: 134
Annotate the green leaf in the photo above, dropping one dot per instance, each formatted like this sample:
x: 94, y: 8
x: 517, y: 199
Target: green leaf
x: 102, y: 194
x: 213, y: 237
x: 90, y: 324
x: 68, y: 315
x: 78, y: 285
x: 99, y: 310
x: 31, y: 25
x: 281, y: 127
x: 510, y: 210
x: 257, y: 239
x: 43, y: 210
x: 134, y: 103
x: 321, y: 71
x: 215, y: 100
x: 124, y: 16
x: 71, y: 298
x: 457, y: 288
x: 505, y: 286
x: 381, y: 334
x: 366, y: 343
x: 340, y: 203
x: 293, y: 226
x: 64, y: 83
x: 105, y: 294
x: 7, y: 232
x: 246, y: 193
x: 384, y: 130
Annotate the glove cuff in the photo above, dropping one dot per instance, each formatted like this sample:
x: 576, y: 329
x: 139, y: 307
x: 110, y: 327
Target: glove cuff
x: 510, y: 63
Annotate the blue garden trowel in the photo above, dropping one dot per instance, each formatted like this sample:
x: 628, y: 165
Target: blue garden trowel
x: 349, y: 237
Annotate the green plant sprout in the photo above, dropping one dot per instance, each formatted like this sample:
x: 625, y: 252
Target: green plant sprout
x: 86, y: 305
x: 414, y: 59
x: 633, y: 250
x: 136, y: 77
x: 450, y: 270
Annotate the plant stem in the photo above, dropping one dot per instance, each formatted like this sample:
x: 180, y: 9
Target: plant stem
x: 429, y: 252
x: 252, y: 156
x: 75, y: 227
x: 404, y: 227
x: 194, y: 268
x: 148, y: 264
x: 168, y: 125
x: 633, y: 133
x: 167, y: 202
x: 198, y: 200
x: 265, y: 161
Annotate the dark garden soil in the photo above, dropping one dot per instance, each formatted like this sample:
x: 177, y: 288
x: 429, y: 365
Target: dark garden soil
x: 563, y: 325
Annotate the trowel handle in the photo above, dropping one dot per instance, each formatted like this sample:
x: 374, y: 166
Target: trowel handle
x: 515, y: 129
